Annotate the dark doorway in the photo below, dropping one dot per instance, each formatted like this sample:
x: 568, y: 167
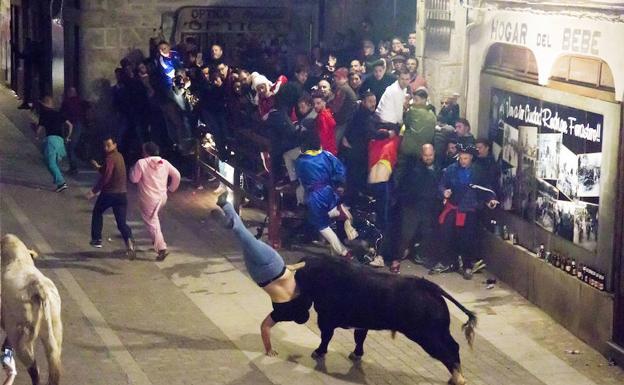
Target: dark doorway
x: 15, y: 38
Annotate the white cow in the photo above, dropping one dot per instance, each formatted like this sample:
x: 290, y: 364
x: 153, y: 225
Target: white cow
x: 31, y: 308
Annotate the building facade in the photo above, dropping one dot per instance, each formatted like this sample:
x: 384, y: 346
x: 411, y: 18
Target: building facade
x: 544, y: 83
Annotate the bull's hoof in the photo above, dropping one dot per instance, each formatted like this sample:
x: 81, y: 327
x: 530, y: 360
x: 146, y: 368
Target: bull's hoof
x: 317, y: 356
x: 460, y: 381
x: 354, y: 357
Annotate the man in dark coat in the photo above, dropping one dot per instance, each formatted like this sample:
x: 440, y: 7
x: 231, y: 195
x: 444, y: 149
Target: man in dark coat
x: 355, y: 146
x: 378, y: 82
x: 419, y: 206
x: 464, y: 190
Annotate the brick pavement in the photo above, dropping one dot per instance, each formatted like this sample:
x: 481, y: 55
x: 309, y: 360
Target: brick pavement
x: 194, y: 318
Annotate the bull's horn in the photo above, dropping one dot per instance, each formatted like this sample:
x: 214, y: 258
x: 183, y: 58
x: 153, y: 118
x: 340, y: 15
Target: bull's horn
x: 33, y: 254
x: 296, y: 266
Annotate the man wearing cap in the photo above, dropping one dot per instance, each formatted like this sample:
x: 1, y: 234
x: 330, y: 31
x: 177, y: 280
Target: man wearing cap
x: 343, y: 104
x: 419, y: 129
x: 464, y: 190
x: 398, y: 64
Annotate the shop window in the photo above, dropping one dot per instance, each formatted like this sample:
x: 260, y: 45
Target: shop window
x: 583, y: 71
x: 511, y: 59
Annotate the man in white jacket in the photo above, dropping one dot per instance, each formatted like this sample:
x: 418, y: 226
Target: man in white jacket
x: 152, y: 174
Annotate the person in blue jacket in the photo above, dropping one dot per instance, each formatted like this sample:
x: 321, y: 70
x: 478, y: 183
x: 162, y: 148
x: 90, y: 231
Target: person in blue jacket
x: 322, y: 175
x: 464, y: 190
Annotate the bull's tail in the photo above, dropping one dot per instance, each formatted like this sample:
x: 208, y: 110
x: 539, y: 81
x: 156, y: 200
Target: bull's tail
x: 40, y: 297
x: 471, y: 324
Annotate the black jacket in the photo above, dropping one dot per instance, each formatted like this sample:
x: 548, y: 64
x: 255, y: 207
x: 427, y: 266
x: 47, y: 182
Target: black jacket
x: 420, y: 186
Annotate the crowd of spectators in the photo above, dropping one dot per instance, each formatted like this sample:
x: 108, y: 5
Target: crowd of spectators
x: 367, y: 112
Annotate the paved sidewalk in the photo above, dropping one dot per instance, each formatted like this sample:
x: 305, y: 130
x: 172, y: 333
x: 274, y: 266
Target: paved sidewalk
x: 194, y: 318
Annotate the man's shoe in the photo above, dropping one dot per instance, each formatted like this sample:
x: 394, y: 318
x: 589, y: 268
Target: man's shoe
x: 23, y: 106
x: 440, y: 268
x: 130, y: 251
x: 61, y: 187
x: 162, y: 254
x: 97, y: 243
x: 377, y: 262
x: 467, y: 274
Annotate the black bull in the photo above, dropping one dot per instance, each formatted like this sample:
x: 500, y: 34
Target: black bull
x: 349, y: 295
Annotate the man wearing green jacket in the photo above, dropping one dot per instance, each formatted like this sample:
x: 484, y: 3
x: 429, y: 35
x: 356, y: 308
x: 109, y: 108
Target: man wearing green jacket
x: 419, y: 129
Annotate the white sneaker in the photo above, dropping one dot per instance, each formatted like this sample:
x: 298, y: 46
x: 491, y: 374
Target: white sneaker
x: 349, y: 230
x: 377, y: 262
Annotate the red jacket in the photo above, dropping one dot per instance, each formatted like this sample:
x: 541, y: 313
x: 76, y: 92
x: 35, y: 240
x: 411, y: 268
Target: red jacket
x: 326, y: 128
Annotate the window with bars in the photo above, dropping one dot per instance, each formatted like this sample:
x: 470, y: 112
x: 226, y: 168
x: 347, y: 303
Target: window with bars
x: 439, y: 24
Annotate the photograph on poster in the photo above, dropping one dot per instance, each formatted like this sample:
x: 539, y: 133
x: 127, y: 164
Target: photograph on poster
x: 528, y: 141
x: 589, y: 175
x: 546, y: 205
x: 496, y: 150
x: 510, y: 145
x: 508, y: 183
x: 564, y: 219
x: 525, y: 196
x: 549, y: 148
x: 567, y: 183
x: 586, y: 225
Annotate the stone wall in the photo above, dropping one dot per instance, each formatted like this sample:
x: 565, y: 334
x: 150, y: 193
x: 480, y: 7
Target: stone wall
x: 113, y: 29
x: 443, y: 68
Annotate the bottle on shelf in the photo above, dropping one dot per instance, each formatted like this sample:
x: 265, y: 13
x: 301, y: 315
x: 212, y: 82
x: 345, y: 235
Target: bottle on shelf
x: 505, y: 233
x: 541, y: 252
x: 573, y: 270
x: 580, y: 272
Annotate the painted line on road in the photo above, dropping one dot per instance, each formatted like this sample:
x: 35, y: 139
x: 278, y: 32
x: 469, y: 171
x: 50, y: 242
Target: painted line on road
x: 115, y: 347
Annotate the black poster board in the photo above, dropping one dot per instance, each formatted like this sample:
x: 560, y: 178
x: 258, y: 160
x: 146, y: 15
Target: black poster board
x: 550, y: 156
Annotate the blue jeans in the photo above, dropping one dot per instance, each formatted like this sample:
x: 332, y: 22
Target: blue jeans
x: 262, y: 261
x: 53, y: 152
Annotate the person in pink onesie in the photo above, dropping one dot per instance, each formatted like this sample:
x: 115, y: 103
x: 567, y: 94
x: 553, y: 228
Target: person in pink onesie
x: 152, y: 174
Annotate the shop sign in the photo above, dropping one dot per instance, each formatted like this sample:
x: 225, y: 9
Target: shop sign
x: 232, y: 20
x: 553, y: 36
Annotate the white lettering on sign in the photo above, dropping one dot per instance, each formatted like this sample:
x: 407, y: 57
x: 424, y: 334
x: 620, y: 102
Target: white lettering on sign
x: 514, y: 33
x: 581, y: 40
x: 544, y: 117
